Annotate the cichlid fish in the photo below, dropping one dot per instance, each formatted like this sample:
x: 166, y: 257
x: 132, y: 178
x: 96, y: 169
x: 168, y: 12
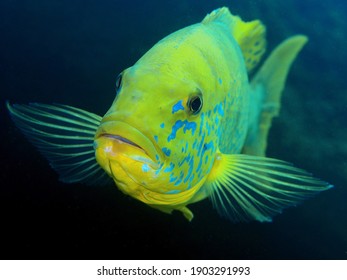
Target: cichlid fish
x: 186, y: 124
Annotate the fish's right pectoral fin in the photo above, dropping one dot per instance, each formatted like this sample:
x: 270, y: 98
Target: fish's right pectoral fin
x: 65, y: 136
x: 245, y: 188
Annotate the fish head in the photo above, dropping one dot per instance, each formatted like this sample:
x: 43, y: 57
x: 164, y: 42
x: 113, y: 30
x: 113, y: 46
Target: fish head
x: 158, y: 138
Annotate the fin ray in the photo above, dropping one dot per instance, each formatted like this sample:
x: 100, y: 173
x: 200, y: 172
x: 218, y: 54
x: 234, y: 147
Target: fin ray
x: 248, y: 188
x: 65, y: 136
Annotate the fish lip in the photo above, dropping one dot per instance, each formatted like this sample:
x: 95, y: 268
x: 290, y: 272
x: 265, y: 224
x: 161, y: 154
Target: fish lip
x: 120, y: 138
x: 130, y: 135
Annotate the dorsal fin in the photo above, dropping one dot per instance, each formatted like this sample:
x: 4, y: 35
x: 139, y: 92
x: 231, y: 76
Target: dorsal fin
x: 249, y: 35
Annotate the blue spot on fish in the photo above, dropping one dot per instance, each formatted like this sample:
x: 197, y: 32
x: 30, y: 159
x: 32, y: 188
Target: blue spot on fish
x: 172, y: 178
x: 166, y: 151
x: 156, y: 138
x: 194, y: 144
x: 179, y: 124
x: 189, y: 126
x: 179, y: 180
x: 178, y: 106
x: 220, y: 109
x: 173, y: 191
x: 162, y: 125
x: 206, y: 147
x: 191, y: 165
x: 200, y: 145
x: 190, y: 182
x: 220, y: 81
x: 201, y: 123
x: 169, y: 168
x: 145, y: 167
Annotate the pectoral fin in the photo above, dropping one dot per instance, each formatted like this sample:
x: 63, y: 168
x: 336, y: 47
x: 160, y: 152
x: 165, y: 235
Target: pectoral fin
x: 65, y: 136
x: 245, y: 188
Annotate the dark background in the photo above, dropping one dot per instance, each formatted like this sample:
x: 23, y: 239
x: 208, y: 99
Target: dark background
x: 71, y: 52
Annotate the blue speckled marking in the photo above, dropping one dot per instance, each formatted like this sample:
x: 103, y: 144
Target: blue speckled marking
x: 156, y: 138
x: 194, y: 144
x: 156, y: 157
x: 209, y: 145
x: 186, y: 126
x: 162, y: 125
x: 178, y: 106
x: 173, y: 191
x: 191, y: 165
x: 189, y: 126
x: 186, y: 159
x: 200, y: 145
x: 206, y: 147
x: 169, y: 168
x: 179, y: 180
x: 220, y: 81
x: 202, y: 117
x: 208, y: 128
x: 172, y: 178
x: 220, y: 109
x: 190, y: 182
x: 178, y: 124
x: 159, y: 169
x: 145, y: 167
x: 166, y: 151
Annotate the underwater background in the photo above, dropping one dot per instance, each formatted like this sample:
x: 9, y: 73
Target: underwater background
x: 70, y: 52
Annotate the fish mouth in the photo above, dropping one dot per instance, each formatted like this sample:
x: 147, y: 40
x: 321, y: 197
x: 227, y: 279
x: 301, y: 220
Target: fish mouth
x: 123, y: 133
x: 121, y: 139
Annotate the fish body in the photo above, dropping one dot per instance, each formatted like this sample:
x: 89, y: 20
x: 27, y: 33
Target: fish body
x: 177, y: 68
x: 186, y: 124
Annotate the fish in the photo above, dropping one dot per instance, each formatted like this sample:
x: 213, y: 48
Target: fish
x: 187, y: 124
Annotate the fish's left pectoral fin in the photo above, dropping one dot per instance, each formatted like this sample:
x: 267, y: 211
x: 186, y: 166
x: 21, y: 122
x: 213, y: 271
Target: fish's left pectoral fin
x: 245, y: 188
x: 65, y: 136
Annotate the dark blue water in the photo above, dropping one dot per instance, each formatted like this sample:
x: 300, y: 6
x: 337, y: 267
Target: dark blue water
x: 71, y: 52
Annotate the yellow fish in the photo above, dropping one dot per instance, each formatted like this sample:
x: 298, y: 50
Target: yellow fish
x: 186, y: 124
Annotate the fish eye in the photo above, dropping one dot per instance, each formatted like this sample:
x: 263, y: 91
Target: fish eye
x: 119, y: 82
x: 195, y: 104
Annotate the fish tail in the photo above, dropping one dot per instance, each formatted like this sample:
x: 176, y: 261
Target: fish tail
x: 266, y: 91
x: 65, y: 136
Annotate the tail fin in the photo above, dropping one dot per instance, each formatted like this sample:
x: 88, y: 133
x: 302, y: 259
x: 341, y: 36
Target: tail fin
x: 65, y: 136
x: 267, y: 87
